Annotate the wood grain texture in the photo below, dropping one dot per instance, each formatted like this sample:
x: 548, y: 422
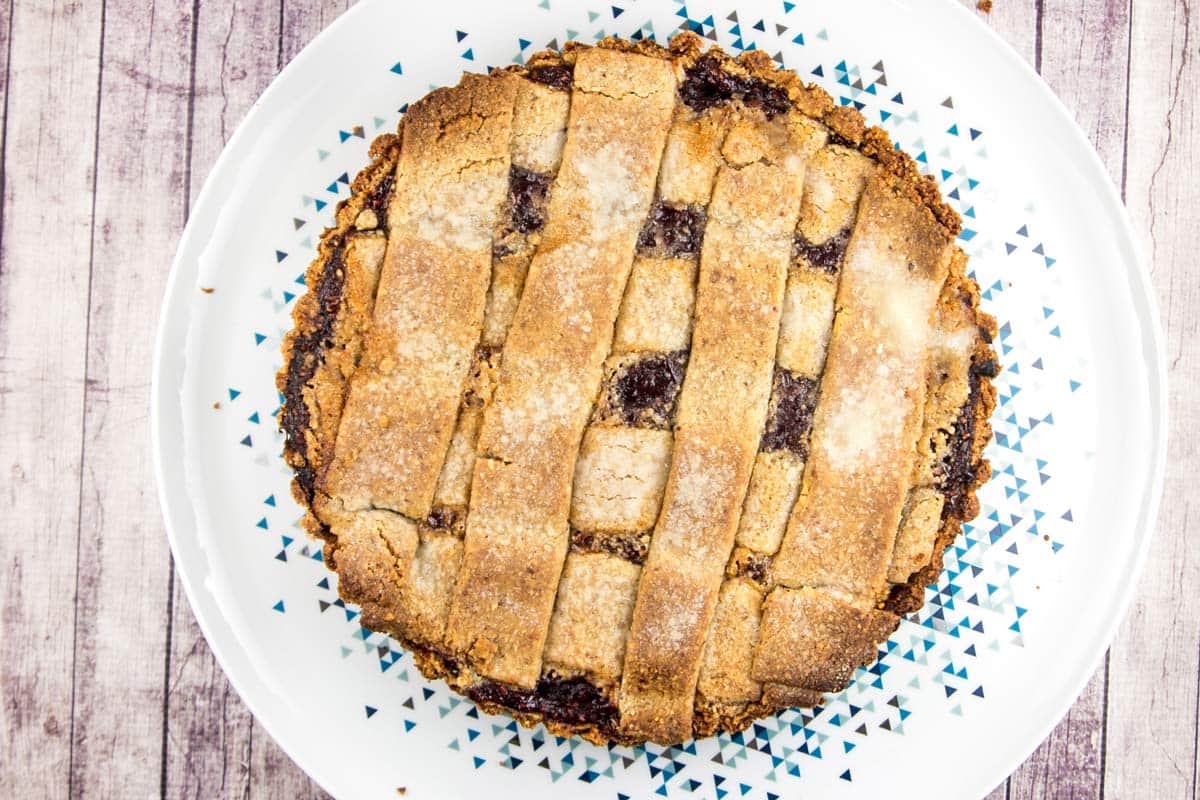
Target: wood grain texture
x: 1085, y: 59
x: 208, y: 735
x: 304, y: 19
x: 1069, y: 763
x: 208, y: 732
x: 139, y: 141
x: 5, y: 68
x: 121, y: 607
x: 273, y: 774
x: 214, y: 747
x: 1152, y: 700
x: 50, y: 99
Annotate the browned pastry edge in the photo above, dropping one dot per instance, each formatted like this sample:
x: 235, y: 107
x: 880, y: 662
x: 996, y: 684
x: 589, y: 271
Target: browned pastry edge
x: 966, y: 469
x: 307, y: 450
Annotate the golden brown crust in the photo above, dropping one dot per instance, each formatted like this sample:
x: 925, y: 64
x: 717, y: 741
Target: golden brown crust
x: 315, y: 363
x: 815, y: 102
x: 975, y: 418
x: 401, y: 407
x: 373, y: 555
x: 729, y: 647
x: 591, y: 620
x: 843, y: 527
x: 404, y: 573
x: 814, y: 639
x: 722, y: 408
x: 517, y: 527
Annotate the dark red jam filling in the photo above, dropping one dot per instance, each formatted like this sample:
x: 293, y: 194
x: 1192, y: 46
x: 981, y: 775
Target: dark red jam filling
x: 306, y: 357
x: 442, y: 518
x: 527, y: 199
x: 827, y: 256
x: 793, y: 399
x: 572, y: 701
x: 958, y: 465
x: 836, y: 138
x: 628, y: 546
x: 989, y: 368
x: 754, y: 566
x: 706, y: 84
x: 673, y: 231
x: 647, y: 389
x: 379, y: 198
x: 556, y: 76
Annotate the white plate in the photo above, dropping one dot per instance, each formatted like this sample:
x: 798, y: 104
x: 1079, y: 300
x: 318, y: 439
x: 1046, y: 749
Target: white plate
x: 1031, y: 593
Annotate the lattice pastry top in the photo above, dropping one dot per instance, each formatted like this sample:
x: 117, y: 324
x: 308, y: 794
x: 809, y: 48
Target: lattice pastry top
x: 638, y: 390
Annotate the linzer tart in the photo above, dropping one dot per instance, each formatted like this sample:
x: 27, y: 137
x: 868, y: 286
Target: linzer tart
x: 638, y: 390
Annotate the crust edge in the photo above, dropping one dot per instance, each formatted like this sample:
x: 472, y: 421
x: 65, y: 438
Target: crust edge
x: 309, y: 448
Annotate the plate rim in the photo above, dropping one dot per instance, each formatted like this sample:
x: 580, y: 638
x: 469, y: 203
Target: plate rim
x: 1159, y: 389
x: 173, y: 491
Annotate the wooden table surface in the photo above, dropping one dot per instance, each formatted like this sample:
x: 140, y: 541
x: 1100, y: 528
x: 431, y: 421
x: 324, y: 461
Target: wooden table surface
x: 113, y: 113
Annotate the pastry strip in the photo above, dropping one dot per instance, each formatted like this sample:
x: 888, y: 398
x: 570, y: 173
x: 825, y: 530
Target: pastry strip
x: 539, y: 125
x: 813, y: 639
x: 722, y: 406
x: 361, y: 261
x: 621, y: 470
x: 955, y: 335
x: 843, y: 526
x: 517, y: 531
x: 374, y: 549
x: 323, y: 350
x: 538, y: 130
x: 450, y: 183
x: 725, y: 674
x: 591, y: 616
x: 833, y: 183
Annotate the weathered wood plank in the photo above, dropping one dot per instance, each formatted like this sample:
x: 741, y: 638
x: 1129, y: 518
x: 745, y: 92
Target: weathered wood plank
x: 1083, y: 57
x: 1152, y: 703
x: 304, y: 19
x: 208, y: 732
x: 6, y: 55
x: 1017, y: 22
x: 273, y: 774
x: 44, y: 244
x: 208, y: 726
x: 237, y: 43
x: 1068, y: 763
x: 214, y: 746
x: 122, y: 600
